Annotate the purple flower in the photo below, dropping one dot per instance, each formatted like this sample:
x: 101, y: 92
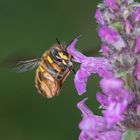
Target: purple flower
x: 105, y: 50
x: 99, y: 17
x: 78, y: 56
x: 138, y: 108
x: 128, y: 27
x: 111, y: 4
x: 89, y: 65
x: 137, y: 46
x: 114, y: 100
x: 80, y: 80
x: 95, y: 127
x: 119, y: 69
x: 137, y: 71
x: 137, y: 14
x: 111, y: 37
x: 111, y: 84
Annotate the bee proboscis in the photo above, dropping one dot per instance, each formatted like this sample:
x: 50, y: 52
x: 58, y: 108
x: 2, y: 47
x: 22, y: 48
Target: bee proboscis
x: 53, y: 68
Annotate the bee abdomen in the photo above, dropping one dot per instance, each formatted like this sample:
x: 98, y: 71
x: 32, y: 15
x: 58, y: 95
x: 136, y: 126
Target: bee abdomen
x: 47, y: 86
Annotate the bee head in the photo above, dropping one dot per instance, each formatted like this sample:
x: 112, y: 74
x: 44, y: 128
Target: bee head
x: 61, y: 55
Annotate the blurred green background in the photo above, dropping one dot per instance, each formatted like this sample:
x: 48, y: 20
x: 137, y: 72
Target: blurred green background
x: 27, y: 29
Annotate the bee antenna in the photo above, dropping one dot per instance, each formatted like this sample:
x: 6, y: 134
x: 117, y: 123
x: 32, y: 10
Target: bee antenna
x: 58, y: 41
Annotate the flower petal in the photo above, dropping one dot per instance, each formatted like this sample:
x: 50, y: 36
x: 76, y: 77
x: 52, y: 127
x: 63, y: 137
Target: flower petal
x: 105, y: 50
x: 97, y: 65
x: 84, y: 109
x: 137, y: 71
x: 137, y: 47
x: 114, y: 112
x: 99, y: 17
x: 128, y: 27
x: 110, y: 135
x: 110, y: 84
x: 78, y: 57
x: 111, y: 4
x: 95, y: 127
x: 137, y: 14
x: 111, y: 37
x: 102, y: 99
x: 80, y: 80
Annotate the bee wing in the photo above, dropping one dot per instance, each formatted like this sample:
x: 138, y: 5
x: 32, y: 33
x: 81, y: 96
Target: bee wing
x: 23, y: 66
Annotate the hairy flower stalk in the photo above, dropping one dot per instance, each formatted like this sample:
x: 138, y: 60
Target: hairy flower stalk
x: 119, y: 69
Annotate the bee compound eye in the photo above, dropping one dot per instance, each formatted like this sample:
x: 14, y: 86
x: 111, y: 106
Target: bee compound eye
x: 55, y: 54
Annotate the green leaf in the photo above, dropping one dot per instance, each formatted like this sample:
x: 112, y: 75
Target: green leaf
x: 130, y: 134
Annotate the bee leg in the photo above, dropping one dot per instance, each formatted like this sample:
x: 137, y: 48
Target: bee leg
x: 73, y: 70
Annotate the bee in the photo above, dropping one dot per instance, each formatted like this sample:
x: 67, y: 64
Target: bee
x: 53, y: 68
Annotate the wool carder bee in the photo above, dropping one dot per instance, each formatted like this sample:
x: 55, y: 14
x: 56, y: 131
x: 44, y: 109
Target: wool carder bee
x: 53, y: 68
